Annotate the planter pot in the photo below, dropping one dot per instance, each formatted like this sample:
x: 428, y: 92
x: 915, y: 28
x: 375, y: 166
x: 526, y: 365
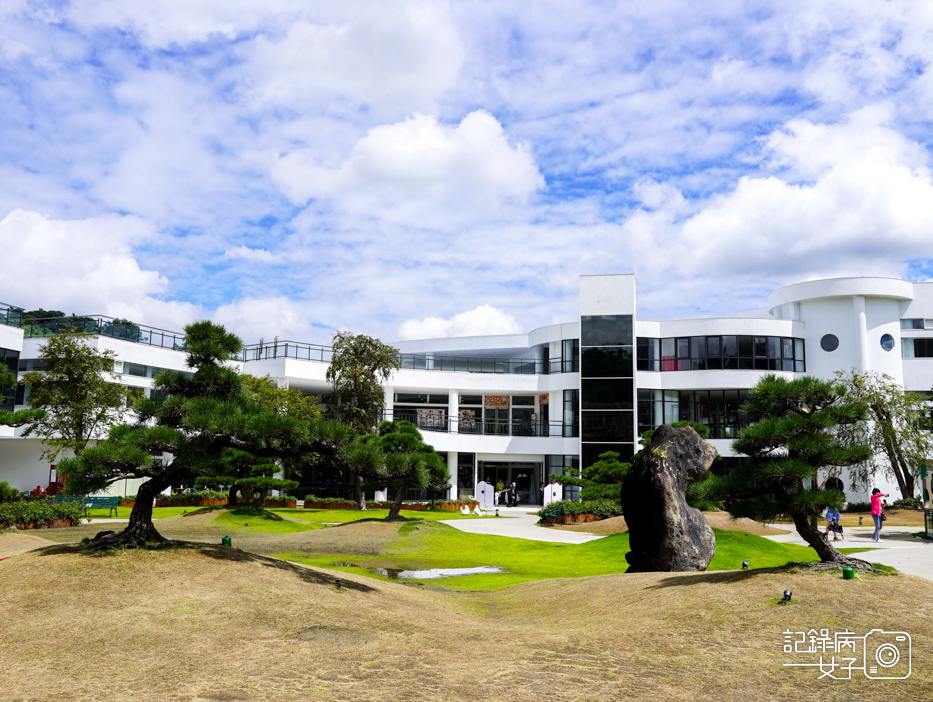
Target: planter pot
x: 127, y: 505
x: 314, y: 505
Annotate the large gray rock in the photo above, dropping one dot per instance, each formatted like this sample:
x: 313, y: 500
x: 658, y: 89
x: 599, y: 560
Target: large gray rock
x: 665, y: 533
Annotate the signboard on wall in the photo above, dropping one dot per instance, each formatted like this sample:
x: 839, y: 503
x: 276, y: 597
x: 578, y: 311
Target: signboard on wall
x: 544, y: 398
x: 467, y: 419
x: 429, y: 418
x: 496, y: 400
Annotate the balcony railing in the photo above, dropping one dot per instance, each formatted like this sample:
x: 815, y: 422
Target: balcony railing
x: 153, y: 336
x: 454, y: 425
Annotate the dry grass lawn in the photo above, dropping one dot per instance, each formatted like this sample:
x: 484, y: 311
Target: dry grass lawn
x: 219, y: 624
x: 717, y: 520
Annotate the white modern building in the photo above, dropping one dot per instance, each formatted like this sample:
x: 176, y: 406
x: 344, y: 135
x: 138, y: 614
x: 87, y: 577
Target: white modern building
x: 523, y: 406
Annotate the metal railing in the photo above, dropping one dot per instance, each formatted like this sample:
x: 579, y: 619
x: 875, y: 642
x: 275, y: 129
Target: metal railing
x: 10, y: 315
x: 101, y: 325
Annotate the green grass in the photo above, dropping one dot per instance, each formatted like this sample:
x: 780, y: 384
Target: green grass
x: 435, y: 545
x: 259, y: 520
x: 343, y: 516
x: 124, y: 512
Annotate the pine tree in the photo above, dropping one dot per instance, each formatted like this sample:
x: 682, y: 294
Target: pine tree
x: 792, y: 436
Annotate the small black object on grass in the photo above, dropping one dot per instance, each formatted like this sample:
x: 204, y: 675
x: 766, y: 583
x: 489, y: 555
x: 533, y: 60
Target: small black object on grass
x: 339, y: 583
x: 744, y: 565
x: 787, y: 596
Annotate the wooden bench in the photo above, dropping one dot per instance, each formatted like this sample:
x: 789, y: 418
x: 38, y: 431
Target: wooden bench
x: 109, y: 503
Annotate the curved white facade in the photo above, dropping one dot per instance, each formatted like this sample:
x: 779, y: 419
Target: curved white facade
x: 522, y: 406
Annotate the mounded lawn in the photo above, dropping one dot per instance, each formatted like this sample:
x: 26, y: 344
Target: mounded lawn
x: 432, y: 545
x: 212, y: 624
x: 343, y: 516
x: 124, y: 512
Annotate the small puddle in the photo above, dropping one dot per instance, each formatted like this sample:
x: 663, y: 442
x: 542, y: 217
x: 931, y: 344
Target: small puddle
x: 430, y: 573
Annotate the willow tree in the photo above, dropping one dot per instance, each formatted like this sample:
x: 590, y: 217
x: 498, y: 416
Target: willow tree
x: 202, y: 416
x: 896, y: 428
x: 359, y: 367
x: 792, y: 435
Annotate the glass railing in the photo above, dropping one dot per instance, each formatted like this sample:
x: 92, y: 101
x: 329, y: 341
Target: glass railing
x: 450, y: 425
x: 10, y: 315
x: 153, y: 336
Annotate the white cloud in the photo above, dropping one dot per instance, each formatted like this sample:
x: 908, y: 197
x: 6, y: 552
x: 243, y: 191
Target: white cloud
x: 417, y: 168
x: 84, y: 266
x: 245, y: 253
x: 266, y: 318
x: 482, y: 321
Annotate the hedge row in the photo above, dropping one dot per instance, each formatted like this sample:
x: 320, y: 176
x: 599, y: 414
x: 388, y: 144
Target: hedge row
x: 38, y: 513
x: 603, y: 509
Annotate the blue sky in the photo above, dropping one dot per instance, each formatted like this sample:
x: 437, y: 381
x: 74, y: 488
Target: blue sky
x: 414, y: 169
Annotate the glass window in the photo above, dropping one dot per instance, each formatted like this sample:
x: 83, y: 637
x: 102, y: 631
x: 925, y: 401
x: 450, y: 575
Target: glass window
x: 907, y: 348
x: 829, y: 343
x: 911, y: 324
x: 730, y: 347
x: 571, y: 409
x: 698, y: 347
x: 411, y: 397
x: 471, y: 399
x: 570, y: 355
x: 887, y: 342
x: 591, y: 452
x: 774, y: 347
x: 606, y: 330
x: 787, y: 348
x: 606, y: 394
x: 522, y: 400
x: 746, y: 348
x: 761, y: 346
x: 607, y: 362
x: 465, y: 462
x: 607, y: 426
x: 683, y: 348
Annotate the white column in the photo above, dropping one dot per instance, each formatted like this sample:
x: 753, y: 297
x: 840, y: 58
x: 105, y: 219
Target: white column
x: 858, y: 307
x: 452, y: 469
x: 453, y: 411
x: 389, y: 402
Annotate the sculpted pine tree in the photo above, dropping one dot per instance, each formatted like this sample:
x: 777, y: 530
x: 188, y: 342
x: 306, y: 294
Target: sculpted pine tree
x: 402, y: 460
x: 793, y: 434
x: 600, y: 481
x: 202, y: 416
x: 359, y: 367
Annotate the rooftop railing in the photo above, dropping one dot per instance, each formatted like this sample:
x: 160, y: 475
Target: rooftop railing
x: 153, y: 336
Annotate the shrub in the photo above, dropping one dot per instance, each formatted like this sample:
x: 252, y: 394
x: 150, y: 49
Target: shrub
x: 601, y: 508
x: 907, y: 503
x: 8, y: 494
x: 858, y: 507
x: 33, y: 512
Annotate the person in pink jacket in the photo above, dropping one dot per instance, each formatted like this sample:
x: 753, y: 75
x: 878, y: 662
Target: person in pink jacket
x: 876, y: 512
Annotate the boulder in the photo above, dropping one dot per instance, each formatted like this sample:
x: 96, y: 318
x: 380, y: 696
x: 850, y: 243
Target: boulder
x: 665, y: 533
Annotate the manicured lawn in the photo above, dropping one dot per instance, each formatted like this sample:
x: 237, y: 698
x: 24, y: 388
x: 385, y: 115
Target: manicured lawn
x: 343, y: 516
x: 257, y: 520
x: 124, y: 512
x: 433, y: 545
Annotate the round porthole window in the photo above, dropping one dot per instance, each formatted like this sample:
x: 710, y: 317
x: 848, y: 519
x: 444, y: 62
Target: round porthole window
x: 887, y: 342
x: 829, y: 343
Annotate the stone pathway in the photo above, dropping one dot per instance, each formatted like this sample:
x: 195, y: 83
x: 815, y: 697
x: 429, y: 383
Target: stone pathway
x: 517, y: 523
x: 898, y: 548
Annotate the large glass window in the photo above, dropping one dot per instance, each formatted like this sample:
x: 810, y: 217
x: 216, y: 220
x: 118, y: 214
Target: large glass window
x: 591, y: 452
x: 570, y: 355
x: 600, y: 394
x: 571, y: 409
x: 606, y: 330
x: 607, y: 426
x: 465, y: 463
x: 917, y: 348
x: 718, y: 409
x: 561, y: 465
x: 607, y: 362
x: 774, y: 353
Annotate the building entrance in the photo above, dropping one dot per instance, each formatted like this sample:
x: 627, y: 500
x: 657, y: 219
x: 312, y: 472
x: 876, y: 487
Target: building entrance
x: 526, y: 475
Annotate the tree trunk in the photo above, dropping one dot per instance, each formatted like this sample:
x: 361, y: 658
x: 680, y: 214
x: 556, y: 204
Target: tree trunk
x: 817, y: 540
x: 396, y: 508
x: 231, y: 496
x: 140, y: 531
x: 360, y: 495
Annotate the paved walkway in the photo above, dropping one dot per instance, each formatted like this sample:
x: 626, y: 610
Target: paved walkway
x: 897, y: 548
x: 517, y: 523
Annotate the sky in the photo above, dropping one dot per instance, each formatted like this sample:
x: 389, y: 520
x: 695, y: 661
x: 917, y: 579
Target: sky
x: 423, y: 169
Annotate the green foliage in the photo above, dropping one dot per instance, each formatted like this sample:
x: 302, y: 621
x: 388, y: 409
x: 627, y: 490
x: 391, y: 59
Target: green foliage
x: 282, y: 401
x: 38, y: 513
x: 42, y: 314
x: 8, y: 494
x: 601, y: 508
x: 857, y: 507
x: 74, y: 399
x: 700, y: 495
x: 180, y: 497
x: 897, y: 428
x: 600, y: 481
x: 359, y: 366
x: 909, y: 503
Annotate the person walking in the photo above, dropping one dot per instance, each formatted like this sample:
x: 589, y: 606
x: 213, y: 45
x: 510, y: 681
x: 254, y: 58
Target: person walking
x: 513, y: 493
x: 877, y: 512
x: 832, y: 524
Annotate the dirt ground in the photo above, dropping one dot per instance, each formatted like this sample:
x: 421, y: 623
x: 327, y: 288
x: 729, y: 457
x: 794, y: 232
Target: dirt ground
x: 717, y: 520
x: 221, y: 624
x: 14, y: 543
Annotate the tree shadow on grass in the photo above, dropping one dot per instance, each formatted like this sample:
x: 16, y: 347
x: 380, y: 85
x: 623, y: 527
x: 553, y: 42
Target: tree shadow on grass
x: 719, y: 577
x: 222, y: 553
